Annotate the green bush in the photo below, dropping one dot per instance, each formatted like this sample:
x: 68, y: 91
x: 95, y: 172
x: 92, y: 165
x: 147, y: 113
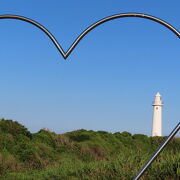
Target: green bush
x: 82, y: 154
x: 13, y: 127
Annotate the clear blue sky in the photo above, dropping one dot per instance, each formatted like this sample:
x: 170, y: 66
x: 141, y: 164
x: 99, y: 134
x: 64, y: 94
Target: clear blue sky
x: 108, y: 82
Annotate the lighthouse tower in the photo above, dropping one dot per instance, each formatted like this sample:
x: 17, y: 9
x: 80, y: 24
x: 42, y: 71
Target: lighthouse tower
x: 157, y: 116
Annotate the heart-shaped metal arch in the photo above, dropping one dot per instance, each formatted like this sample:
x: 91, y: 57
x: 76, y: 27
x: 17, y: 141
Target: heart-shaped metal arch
x: 74, y: 44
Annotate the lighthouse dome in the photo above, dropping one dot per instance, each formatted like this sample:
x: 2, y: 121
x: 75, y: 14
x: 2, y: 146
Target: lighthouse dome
x: 158, y: 94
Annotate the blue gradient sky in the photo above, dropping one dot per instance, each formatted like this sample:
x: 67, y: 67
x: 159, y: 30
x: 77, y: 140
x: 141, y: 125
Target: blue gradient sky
x: 108, y: 82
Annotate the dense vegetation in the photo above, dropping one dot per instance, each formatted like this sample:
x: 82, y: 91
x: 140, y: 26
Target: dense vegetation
x: 82, y: 155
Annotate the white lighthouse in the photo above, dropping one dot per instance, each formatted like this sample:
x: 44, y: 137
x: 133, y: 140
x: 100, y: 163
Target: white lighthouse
x: 157, y: 116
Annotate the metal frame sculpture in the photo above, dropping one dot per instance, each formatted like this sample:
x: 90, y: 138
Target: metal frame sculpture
x: 75, y: 43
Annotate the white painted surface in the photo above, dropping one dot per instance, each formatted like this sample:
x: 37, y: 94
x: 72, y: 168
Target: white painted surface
x: 157, y: 116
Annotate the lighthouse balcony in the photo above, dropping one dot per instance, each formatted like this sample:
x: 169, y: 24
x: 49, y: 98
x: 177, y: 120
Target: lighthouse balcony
x: 157, y: 103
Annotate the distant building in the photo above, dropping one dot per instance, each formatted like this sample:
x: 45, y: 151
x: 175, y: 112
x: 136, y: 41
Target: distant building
x: 157, y: 116
x: 46, y: 129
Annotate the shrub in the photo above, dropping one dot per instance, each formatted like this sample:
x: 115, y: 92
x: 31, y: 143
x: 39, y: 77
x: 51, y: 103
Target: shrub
x: 8, y: 163
x: 46, y: 137
x: 14, y: 128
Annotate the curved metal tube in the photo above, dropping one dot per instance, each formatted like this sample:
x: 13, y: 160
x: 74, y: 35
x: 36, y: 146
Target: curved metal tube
x: 74, y: 44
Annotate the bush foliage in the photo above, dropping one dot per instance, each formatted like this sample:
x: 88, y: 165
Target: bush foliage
x: 82, y: 155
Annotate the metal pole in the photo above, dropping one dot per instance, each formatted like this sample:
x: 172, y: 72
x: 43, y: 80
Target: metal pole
x: 171, y: 135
